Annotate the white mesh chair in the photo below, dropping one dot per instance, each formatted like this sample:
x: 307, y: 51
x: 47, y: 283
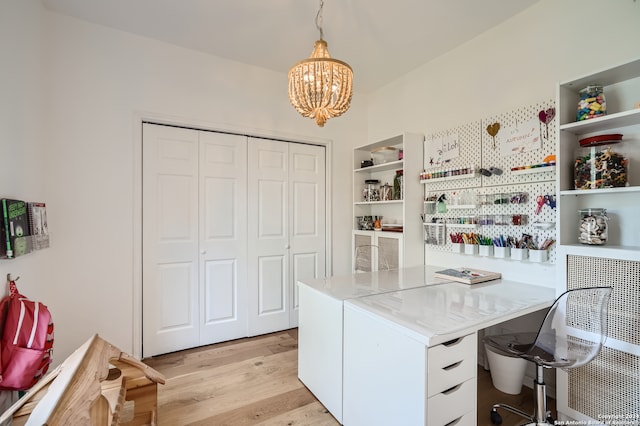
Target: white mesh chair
x: 571, y: 335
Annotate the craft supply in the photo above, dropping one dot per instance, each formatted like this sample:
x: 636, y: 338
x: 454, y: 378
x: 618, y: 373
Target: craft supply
x: 600, y: 169
x: 592, y: 228
x: 592, y: 103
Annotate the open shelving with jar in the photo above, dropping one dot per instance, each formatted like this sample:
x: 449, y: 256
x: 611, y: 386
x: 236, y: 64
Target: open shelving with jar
x: 385, y: 185
x: 621, y: 90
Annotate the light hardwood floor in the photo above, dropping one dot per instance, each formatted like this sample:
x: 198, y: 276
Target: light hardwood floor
x: 254, y: 381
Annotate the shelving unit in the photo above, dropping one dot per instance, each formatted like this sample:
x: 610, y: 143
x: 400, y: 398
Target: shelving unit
x: 405, y: 211
x: 618, y: 261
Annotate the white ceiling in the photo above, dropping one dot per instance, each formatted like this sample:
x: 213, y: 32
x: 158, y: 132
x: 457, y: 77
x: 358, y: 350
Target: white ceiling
x: 381, y: 40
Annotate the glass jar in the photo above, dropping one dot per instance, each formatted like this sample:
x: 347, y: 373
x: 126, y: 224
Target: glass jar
x: 371, y: 192
x: 592, y: 228
x: 386, y: 192
x: 592, y: 103
x: 597, y: 168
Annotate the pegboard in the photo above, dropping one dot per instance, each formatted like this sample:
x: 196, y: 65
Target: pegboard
x: 476, y: 147
x: 469, y: 140
x: 534, y: 222
x: 493, y: 157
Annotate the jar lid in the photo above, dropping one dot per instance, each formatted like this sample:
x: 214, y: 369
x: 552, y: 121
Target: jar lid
x: 591, y: 88
x: 593, y: 211
x: 601, y: 140
x: 371, y: 181
x: 383, y: 148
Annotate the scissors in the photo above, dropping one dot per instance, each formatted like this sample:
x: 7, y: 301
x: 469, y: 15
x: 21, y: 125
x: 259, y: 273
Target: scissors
x: 550, y: 200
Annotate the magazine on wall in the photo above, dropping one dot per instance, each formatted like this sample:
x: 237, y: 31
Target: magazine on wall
x: 467, y: 275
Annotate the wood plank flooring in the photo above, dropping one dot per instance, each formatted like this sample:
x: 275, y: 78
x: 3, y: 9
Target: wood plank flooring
x: 254, y: 381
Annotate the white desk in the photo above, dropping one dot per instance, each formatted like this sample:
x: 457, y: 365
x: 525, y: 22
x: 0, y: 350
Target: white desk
x: 390, y: 322
x: 410, y: 357
x: 320, y: 324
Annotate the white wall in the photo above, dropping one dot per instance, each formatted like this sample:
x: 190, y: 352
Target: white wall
x: 510, y: 66
x: 80, y: 88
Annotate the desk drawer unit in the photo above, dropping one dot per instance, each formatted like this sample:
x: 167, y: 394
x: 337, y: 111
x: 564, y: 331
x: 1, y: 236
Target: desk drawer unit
x: 451, y: 382
x: 451, y: 363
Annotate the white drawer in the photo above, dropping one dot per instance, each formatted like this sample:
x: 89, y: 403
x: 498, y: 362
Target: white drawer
x: 452, y: 405
x: 451, y: 364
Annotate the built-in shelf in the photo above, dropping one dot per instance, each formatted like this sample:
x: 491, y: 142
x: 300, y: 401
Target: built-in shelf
x: 604, y: 123
x: 398, y: 164
x: 602, y: 191
x: 368, y: 203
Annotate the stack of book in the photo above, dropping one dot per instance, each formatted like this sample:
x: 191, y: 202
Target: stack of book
x: 23, y: 227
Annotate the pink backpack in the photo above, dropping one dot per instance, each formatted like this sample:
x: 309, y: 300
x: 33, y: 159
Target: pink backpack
x: 26, y: 340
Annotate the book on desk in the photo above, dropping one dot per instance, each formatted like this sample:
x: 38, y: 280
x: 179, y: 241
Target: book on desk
x: 467, y: 275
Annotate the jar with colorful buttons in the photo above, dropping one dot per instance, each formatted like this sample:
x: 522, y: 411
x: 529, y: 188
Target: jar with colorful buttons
x: 592, y: 103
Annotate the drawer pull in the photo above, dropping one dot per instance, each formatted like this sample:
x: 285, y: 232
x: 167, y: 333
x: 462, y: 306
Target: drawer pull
x: 454, y: 422
x: 452, y: 366
x: 452, y: 342
x: 452, y: 389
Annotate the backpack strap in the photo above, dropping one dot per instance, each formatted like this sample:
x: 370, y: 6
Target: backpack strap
x: 13, y: 288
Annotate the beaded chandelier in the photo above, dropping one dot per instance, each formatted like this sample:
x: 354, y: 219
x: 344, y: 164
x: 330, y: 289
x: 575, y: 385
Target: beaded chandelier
x: 320, y: 87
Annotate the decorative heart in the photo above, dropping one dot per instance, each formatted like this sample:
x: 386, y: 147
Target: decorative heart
x: 492, y: 129
x: 547, y: 116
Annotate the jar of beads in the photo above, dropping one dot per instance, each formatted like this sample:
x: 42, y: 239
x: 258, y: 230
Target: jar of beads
x: 592, y: 103
x: 592, y: 228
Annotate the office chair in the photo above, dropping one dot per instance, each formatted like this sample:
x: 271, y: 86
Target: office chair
x: 570, y: 336
x: 364, y: 258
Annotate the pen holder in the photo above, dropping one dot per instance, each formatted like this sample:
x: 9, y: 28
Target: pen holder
x: 519, y: 253
x: 485, y: 250
x: 457, y: 247
x: 470, y: 249
x: 501, y: 252
x: 538, y: 255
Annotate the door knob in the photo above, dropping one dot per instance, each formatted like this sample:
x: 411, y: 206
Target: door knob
x: 203, y: 252
x: 287, y: 246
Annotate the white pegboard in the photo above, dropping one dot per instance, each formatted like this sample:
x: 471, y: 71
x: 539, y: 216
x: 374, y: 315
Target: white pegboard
x: 492, y: 156
x: 476, y: 147
x: 469, y: 140
x: 547, y: 215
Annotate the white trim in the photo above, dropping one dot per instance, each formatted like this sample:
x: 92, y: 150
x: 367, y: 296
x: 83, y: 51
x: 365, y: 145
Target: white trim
x: 139, y: 117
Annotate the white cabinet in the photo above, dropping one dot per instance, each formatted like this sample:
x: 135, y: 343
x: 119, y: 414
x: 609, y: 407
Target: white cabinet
x: 618, y: 261
x: 376, y: 251
x: 400, y: 212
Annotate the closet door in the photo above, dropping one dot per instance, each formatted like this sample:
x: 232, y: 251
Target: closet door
x: 287, y: 222
x: 223, y: 237
x: 307, y: 210
x: 170, y: 239
x: 268, y: 229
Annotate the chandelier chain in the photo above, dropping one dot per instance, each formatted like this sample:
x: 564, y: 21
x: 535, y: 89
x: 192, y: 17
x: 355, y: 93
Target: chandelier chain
x: 319, y: 20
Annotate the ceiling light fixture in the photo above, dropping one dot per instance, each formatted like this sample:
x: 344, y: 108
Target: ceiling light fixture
x: 320, y: 87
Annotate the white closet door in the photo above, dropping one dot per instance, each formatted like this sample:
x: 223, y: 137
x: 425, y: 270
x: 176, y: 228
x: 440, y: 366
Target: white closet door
x: 308, y: 217
x: 287, y: 222
x: 170, y: 239
x: 268, y: 228
x: 223, y: 237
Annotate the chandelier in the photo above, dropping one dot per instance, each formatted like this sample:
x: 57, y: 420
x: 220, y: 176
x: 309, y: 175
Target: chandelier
x: 320, y: 87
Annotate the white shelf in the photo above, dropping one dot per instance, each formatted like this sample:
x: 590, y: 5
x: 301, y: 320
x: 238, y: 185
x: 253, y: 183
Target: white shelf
x: 461, y: 206
x: 604, y: 123
x: 621, y: 190
x: 467, y: 176
x: 370, y: 203
x: 463, y: 225
x: 608, y: 251
x: 391, y: 165
x: 534, y: 170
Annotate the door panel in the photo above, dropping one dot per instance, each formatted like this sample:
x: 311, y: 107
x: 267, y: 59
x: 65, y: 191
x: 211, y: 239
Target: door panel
x: 223, y: 237
x: 308, y: 218
x: 268, y: 228
x: 170, y: 239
